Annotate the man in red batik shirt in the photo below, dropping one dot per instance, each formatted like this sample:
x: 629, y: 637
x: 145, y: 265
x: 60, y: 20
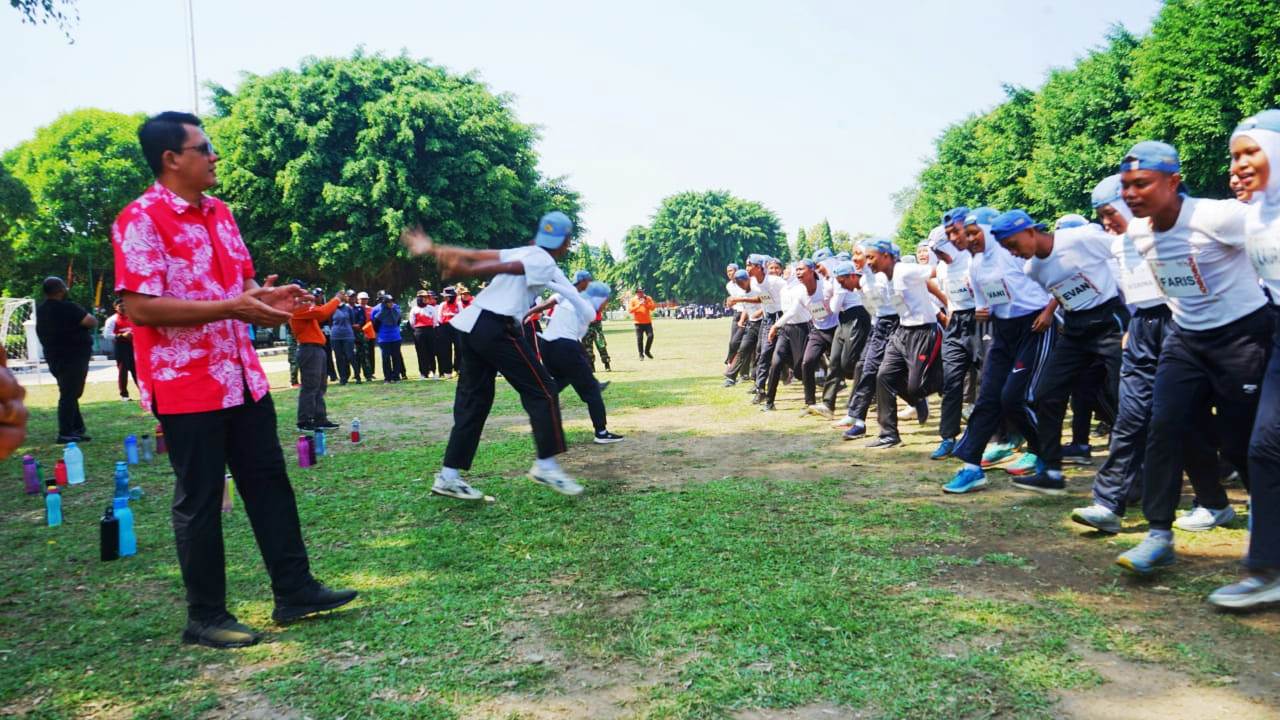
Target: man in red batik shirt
x: 188, y: 281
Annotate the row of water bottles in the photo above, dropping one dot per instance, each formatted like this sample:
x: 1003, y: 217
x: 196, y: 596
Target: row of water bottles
x: 117, y: 537
x: 311, y: 447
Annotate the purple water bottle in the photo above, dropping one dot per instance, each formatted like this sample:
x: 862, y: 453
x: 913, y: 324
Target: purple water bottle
x: 311, y: 449
x: 30, y: 480
x: 304, y: 452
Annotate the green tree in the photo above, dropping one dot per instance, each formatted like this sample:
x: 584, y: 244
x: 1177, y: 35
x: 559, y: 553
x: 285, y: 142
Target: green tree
x: 682, y: 254
x: 79, y: 171
x: 819, y: 236
x: 326, y: 164
x: 841, y: 241
x: 801, y: 247
x: 62, y: 13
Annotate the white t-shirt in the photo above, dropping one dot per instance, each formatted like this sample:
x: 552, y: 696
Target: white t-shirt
x: 1078, y: 269
x: 842, y: 299
x: 911, y: 295
x: 953, y: 278
x: 1201, y: 263
x: 513, y: 295
x: 796, y: 301
x: 1140, y: 287
x: 1262, y: 230
x: 824, y: 314
x: 770, y: 290
x: 570, y: 318
x: 1000, y: 283
x: 875, y: 293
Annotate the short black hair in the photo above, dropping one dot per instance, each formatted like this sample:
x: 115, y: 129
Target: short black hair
x: 164, y: 132
x: 52, y: 286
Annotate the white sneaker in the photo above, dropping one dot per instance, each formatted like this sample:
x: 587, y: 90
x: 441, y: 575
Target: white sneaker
x: 1202, y: 518
x: 907, y: 414
x: 822, y: 410
x: 844, y: 422
x: 455, y: 489
x: 556, y: 480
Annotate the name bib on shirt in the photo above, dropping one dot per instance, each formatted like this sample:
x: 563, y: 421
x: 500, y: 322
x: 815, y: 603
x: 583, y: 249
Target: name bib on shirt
x: 764, y: 298
x: 1264, y: 253
x: 1075, y: 292
x: 959, y: 291
x: 996, y: 293
x: 1140, y: 285
x: 1179, y: 278
x: 818, y: 311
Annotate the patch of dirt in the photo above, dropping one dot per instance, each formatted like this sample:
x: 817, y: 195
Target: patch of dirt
x: 1138, y: 691
x: 804, y: 712
x: 235, y: 703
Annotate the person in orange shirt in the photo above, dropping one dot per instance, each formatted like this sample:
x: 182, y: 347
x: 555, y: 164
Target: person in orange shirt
x: 641, y: 309
x: 305, y: 325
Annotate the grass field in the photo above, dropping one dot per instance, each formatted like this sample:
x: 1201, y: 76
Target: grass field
x: 721, y: 563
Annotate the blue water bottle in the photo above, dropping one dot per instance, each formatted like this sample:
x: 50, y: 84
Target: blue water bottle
x: 124, y: 516
x: 122, y: 479
x: 53, y: 506
x: 131, y: 449
x: 320, y: 443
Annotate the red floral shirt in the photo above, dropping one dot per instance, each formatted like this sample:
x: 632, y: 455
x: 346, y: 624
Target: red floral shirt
x: 167, y: 248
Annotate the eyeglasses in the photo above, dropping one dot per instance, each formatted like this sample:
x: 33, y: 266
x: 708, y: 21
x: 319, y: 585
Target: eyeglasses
x: 205, y: 148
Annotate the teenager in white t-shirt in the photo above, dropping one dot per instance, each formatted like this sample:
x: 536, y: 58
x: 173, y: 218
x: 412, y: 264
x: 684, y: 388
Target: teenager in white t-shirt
x: 1216, y: 351
x: 854, y: 324
x: 961, y: 344
x: 492, y: 341
x: 791, y: 330
x: 747, y: 317
x: 767, y: 287
x: 876, y: 297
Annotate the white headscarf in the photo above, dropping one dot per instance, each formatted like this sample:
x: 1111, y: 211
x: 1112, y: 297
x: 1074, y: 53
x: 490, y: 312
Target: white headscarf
x: 1269, y: 141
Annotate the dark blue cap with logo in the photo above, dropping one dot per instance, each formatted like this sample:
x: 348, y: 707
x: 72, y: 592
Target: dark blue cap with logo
x: 955, y: 215
x: 1011, y: 223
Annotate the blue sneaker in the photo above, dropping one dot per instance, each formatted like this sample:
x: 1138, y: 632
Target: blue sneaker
x: 967, y: 480
x: 1028, y: 464
x: 945, y: 448
x: 997, y: 453
x: 1150, y: 555
x: 855, y: 431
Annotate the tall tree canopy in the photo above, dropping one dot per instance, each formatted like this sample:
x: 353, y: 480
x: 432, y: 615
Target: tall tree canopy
x: 682, y: 254
x: 325, y: 165
x: 76, y: 175
x: 801, y: 248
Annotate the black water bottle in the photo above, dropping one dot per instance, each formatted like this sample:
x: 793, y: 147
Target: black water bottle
x: 109, y: 535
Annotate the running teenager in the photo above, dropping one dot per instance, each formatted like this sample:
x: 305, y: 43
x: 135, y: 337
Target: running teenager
x: 564, y: 357
x: 1216, y: 349
x: 1074, y: 265
x: 850, y: 338
x: 875, y: 295
x: 1020, y: 341
x: 768, y: 286
x: 790, y: 333
x: 960, y: 342
x: 492, y: 342
x: 824, y: 319
x: 748, y: 315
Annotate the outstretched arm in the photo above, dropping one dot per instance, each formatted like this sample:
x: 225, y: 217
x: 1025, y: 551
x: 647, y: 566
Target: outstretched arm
x: 458, y: 262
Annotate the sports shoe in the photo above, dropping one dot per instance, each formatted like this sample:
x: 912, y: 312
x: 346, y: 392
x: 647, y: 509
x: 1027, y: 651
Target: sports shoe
x: 1150, y: 555
x: 729, y: 382
x: 922, y: 412
x: 1255, y: 590
x: 1042, y: 483
x: 1028, y: 464
x: 1102, y: 429
x: 327, y: 424
x: 945, y: 448
x: 966, y: 411
x: 844, y: 422
x: 1097, y: 517
x: 455, y: 489
x: 909, y: 413
x: 1077, y: 454
x: 604, y: 385
x: 314, y: 599
x: 224, y: 632
x: 306, y: 427
x: 967, y: 480
x: 757, y: 398
x: 648, y: 354
x: 768, y: 407
x: 1202, y: 518
x: 604, y: 437
x: 855, y: 431
x: 556, y: 480
x: 822, y: 410
x: 884, y: 443
x: 997, y: 453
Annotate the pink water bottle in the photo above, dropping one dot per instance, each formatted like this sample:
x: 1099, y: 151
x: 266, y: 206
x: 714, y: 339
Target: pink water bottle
x: 304, y: 451
x: 30, y: 480
x: 311, y: 448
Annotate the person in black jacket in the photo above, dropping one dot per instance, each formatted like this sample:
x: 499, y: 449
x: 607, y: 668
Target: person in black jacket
x: 64, y: 331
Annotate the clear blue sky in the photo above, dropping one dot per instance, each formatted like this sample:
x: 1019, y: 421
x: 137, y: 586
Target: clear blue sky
x: 816, y: 109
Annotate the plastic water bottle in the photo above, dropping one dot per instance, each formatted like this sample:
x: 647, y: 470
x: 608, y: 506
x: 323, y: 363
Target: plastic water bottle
x: 148, y: 448
x: 53, y: 506
x: 74, y: 458
x: 109, y: 535
x: 304, y: 452
x: 39, y: 475
x: 131, y: 449
x: 311, y: 449
x: 60, y: 473
x: 30, y: 480
x: 162, y: 447
x: 355, y: 430
x: 227, y: 496
x: 321, y: 445
x: 128, y: 539
x: 122, y: 479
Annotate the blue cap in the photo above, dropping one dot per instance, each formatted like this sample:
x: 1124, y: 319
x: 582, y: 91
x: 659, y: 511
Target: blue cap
x: 879, y: 244
x: 741, y: 275
x: 580, y: 276
x: 808, y: 263
x: 843, y: 255
x: 1151, y: 155
x: 731, y: 266
x: 597, y: 289
x: 553, y: 229
x: 821, y: 254
x: 954, y: 215
x: 1106, y: 192
x: 844, y: 267
x: 1070, y: 220
x: 1011, y: 223
x: 981, y: 216
x: 757, y: 259
x: 1265, y: 120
